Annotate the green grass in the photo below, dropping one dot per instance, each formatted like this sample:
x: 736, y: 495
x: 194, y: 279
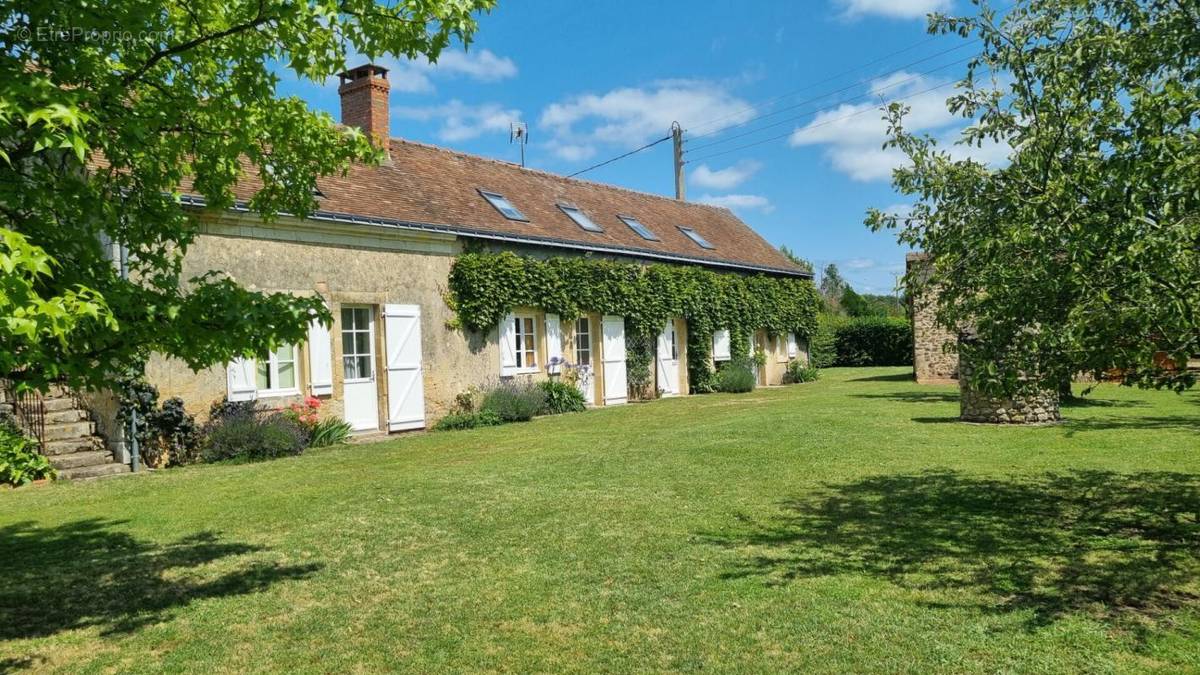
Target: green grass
x: 846, y: 525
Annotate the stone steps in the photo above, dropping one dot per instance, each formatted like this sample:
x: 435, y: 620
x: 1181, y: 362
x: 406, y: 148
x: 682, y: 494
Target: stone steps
x: 69, y: 445
x: 95, y: 471
x: 58, y: 431
x: 76, y: 460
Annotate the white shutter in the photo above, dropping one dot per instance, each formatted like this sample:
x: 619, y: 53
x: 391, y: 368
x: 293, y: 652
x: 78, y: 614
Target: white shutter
x: 792, y: 349
x: 721, y: 345
x: 405, y: 375
x: 320, y: 359
x: 554, y: 353
x: 613, y: 343
x: 240, y: 380
x: 668, y: 369
x: 508, y: 346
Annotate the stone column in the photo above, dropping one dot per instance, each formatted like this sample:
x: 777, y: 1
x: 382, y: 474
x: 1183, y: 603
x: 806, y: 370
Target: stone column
x: 1037, y: 407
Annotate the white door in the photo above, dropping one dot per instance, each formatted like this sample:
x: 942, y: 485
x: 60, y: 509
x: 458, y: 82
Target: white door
x: 585, y: 375
x: 612, y: 343
x: 405, y: 377
x: 359, y: 393
x: 668, y: 360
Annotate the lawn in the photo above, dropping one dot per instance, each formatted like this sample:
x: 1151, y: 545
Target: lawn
x: 845, y: 525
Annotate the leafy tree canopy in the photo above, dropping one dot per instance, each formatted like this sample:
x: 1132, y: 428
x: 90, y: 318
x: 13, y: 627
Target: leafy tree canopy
x: 791, y: 255
x: 1083, y: 252
x: 109, y: 107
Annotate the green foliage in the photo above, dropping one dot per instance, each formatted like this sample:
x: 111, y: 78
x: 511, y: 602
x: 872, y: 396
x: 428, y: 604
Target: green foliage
x: 791, y: 255
x: 562, y: 397
x: 736, y: 377
x: 639, y: 356
x: 514, y: 400
x: 1080, y: 252
x: 167, y: 435
x: 484, y: 287
x: 109, y: 111
x: 798, y: 372
x: 248, y: 435
x: 20, y: 460
x: 329, y: 431
x: 822, y: 348
x: 467, y: 420
x: 873, y: 341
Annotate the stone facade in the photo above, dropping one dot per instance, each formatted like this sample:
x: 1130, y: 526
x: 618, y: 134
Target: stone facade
x: 935, y: 360
x: 1040, y: 407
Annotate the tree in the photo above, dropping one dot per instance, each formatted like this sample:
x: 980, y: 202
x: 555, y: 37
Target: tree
x: 108, y: 110
x: 796, y: 259
x: 832, y: 287
x: 854, y: 304
x: 1083, y: 252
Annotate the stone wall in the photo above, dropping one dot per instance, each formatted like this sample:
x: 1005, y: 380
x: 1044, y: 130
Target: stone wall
x: 934, y: 360
x: 1040, y: 407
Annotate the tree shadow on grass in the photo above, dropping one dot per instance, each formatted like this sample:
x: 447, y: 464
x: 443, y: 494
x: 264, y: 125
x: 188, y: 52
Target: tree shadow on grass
x: 88, y: 573
x: 919, y: 396
x: 1121, y: 548
x: 1167, y: 422
x: 897, y: 377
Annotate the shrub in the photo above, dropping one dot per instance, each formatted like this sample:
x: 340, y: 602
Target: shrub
x: 874, y: 341
x: 514, y: 400
x: 329, y: 432
x: 224, y: 408
x: 562, y: 397
x: 467, y: 420
x: 246, y: 435
x: 20, y: 460
x: 166, y: 436
x: 798, y: 371
x: 823, y: 345
x: 736, y: 377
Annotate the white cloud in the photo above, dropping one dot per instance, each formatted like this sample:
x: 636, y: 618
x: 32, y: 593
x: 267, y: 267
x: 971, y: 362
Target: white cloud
x: 459, y: 121
x: 624, y: 118
x: 738, y: 202
x: 853, y: 135
x: 727, y: 178
x: 894, y: 9
x: 416, y: 76
x: 858, y: 264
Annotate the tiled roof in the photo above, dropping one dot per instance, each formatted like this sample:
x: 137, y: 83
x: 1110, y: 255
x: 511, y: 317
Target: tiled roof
x: 430, y: 186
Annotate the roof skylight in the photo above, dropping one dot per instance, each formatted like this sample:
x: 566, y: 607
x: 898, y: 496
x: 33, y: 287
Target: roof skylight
x: 504, y: 206
x: 636, y: 226
x: 695, y: 236
x: 581, y: 219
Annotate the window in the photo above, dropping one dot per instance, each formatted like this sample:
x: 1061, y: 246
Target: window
x: 674, y: 343
x: 695, y: 236
x: 636, y: 226
x: 504, y: 206
x: 276, y: 375
x: 356, y: 343
x: 581, y: 219
x: 583, y: 341
x: 525, y: 341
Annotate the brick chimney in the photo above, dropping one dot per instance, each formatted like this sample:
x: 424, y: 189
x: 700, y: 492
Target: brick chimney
x: 364, y: 92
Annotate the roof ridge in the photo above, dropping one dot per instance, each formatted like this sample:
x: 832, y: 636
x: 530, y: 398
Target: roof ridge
x: 551, y: 174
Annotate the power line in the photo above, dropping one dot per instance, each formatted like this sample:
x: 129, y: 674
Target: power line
x: 840, y: 90
x: 814, y: 126
x: 787, y: 120
x: 631, y: 152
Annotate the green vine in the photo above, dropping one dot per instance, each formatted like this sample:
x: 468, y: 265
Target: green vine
x: 484, y: 287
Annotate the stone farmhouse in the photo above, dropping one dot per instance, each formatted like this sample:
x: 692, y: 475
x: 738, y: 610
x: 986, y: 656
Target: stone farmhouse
x: 379, y: 251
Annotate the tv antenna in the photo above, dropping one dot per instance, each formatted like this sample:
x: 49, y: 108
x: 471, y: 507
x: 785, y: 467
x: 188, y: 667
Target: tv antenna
x: 518, y: 132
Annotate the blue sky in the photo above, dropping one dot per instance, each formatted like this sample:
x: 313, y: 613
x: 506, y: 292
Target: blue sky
x: 595, y: 79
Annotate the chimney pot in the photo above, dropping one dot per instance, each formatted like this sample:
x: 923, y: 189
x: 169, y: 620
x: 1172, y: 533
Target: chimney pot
x: 364, y: 93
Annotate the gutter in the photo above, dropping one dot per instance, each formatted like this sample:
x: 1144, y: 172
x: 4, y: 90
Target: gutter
x: 352, y: 219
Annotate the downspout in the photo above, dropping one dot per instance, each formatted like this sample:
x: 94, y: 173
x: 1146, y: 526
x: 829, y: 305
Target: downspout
x: 134, y: 451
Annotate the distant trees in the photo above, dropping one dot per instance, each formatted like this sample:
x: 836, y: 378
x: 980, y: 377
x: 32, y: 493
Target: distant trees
x: 797, y: 260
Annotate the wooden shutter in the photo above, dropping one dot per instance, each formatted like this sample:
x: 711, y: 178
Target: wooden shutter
x: 720, y: 350
x: 508, y: 346
x: 613, y: 357
x: 405, y: 375
x: 320, y: 359
x: 554, y: 353
x: 792, y: 349
x: 240, y: 382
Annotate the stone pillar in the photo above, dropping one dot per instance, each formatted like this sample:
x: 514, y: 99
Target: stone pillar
x: 934, y: 360
x: 1038, y: 407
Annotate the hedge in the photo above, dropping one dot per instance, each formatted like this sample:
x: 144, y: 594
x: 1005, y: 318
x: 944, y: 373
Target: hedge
x: 865, y: 341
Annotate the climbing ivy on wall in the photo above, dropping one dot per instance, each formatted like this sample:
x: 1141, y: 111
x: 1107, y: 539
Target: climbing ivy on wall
x: 484, y: 287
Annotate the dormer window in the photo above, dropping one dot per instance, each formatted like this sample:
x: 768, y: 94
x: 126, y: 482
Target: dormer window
x: 581, y: 219
x: 504, y: 206
x: 643, y: 231
x: 695, y: 236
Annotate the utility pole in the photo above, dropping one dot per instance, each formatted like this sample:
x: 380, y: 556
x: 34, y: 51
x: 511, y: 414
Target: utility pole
x: 677, y: 141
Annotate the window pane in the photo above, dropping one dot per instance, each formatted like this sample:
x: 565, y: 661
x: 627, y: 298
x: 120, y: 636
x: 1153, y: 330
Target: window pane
x: 635, y: 225
x: 362, y: 343
x: 347, y: 343
x: 362, y: 318
x: 502, y: 205
x: 350, y: 366
x: 364, y: 366
x: 287, y: 376
x: 530, y: 359
x: 285, y: 354
x: 581, y: 219
x: 695, y: 236
x: 347, y: 318
x: 262, y: 378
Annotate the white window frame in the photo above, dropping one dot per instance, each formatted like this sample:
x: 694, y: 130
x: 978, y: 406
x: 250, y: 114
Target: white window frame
x: 580, y: 218
x: 501, y: 203
x: 519, y: 348
x: 272, y: 364
x: 639, y: 228
x: 697, y: 238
